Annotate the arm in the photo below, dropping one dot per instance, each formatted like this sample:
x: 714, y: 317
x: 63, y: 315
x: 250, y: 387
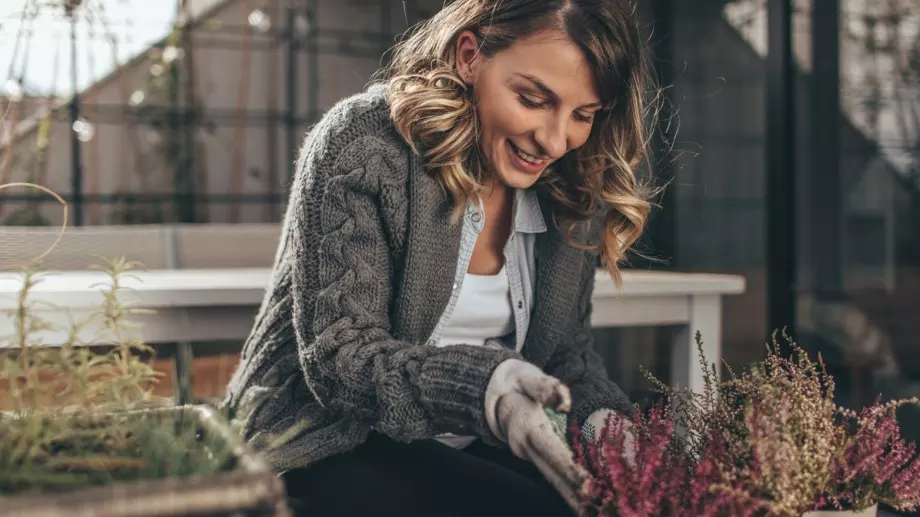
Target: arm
x: 577, y: 364
x: 351, y: 363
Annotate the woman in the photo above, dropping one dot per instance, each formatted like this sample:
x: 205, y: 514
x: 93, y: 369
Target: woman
x: 431, y: 292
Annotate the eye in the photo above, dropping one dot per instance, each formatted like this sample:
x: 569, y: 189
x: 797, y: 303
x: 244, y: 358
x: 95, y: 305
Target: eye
x: 587, y: 119
x: 530, y: 102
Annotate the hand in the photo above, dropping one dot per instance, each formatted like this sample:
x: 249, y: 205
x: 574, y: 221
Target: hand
x: 594, y: 425
x: 515, y: 401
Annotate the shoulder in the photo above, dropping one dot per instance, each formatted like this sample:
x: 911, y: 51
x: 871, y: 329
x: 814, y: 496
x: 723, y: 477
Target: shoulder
x: 355, y: 133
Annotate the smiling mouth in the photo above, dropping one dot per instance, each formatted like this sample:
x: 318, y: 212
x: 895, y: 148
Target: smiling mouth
x: 527, y: 157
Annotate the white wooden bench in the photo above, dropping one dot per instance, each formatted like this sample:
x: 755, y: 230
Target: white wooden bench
x: 155, y: 247
x: 211, y: 280
x: 194, y: 246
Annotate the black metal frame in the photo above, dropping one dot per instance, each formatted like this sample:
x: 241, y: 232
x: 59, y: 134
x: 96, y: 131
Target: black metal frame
x: 291, y: 50
x: 317, y: 42
x: 781, y: 188
x: 825, y: 198
x: 76, y: 162
x: 663, y: 224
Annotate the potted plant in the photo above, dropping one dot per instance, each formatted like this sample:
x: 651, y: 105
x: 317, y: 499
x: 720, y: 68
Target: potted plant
x: 767, y: 441
x: 83, y: 433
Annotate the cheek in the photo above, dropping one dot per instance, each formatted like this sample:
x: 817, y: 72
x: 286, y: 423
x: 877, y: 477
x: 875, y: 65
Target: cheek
x: 500, y: 113
x: 497, y: 118
x: 580, y: 136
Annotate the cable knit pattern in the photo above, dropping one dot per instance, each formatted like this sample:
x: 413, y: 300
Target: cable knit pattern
x: 566, y: 296
x: 361, y: 275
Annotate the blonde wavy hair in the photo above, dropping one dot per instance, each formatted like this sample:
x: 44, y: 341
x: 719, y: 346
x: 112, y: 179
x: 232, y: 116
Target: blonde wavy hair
x: 434, y: 111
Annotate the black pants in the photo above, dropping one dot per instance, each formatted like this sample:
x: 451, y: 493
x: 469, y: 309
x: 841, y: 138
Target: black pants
x: 383, y: 477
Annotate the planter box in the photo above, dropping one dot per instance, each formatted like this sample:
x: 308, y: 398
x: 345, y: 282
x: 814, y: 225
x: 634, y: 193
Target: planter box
x: 249, y: 488
x: 871, y: 511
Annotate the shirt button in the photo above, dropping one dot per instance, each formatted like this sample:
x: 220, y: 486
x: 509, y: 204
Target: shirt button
x: 430, y: 342
x: 455, y: 287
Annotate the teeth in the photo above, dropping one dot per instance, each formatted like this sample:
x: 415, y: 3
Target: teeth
x: 529, y: 158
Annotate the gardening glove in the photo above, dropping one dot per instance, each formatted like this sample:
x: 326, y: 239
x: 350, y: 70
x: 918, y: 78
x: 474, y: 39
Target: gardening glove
x: 593, y: 429
x: 515, y: 400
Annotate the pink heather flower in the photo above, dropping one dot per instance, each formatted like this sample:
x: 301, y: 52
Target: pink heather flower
x: 877, y: 465
x: 662, y: 479
x: 770, y: 441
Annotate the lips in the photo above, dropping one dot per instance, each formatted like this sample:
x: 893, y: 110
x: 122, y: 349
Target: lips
x: 520, y: 163
x: 531, y: 157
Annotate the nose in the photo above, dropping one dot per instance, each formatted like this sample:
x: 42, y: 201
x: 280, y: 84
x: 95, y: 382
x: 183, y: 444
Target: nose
x: 552, y: 137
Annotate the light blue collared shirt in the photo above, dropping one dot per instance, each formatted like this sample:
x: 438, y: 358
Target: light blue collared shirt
x: 520, y: 263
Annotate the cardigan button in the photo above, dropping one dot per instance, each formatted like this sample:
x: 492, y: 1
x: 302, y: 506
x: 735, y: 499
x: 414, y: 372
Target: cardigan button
x: 520, y: 304
x: 476, y: 217
x: 431, y: 342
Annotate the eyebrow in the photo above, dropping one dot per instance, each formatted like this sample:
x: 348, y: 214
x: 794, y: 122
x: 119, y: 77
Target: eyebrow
x: 551, y: 94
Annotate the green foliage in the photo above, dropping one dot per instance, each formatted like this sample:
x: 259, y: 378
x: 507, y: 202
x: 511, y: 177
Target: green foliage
x: 56, y: 451
x: 84, y: 413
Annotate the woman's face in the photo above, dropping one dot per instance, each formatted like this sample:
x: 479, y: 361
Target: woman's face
x: 536, y: 101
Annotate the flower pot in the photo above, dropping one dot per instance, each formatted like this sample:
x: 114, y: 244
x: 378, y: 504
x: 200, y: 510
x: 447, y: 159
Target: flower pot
x: 871, y: 511
x: 246, y: 487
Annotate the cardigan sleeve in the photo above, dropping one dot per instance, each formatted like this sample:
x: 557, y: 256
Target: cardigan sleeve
x: 576, y: 363
x: 342, y: 289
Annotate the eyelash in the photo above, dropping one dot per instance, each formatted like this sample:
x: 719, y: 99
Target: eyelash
x: 537, y: 105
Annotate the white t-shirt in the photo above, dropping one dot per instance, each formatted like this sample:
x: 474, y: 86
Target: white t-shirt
x: 483, y: 310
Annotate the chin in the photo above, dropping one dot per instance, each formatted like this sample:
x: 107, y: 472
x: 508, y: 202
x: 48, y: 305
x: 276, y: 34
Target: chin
x: 518, y: 180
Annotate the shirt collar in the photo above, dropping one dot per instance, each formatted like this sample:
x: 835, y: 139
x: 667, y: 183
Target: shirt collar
x: 528, y: 218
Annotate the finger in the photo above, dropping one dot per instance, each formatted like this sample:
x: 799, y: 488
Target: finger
x: 563, y: 487
x: 556, y: 454
x: 547, y: 391
x: 511, y: 412
x: 564, y: 400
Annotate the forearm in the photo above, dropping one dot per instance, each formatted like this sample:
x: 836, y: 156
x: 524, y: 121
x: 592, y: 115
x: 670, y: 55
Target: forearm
x: 404, y: 390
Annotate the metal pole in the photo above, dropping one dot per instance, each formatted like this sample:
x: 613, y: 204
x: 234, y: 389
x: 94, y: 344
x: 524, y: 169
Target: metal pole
x: 76, y: 172
x: 184, y: 115
x: 290, y: 116
x: 826, y: 196
x: 663, y: 224
x: 176, y: 136
x: 780, y: 171
x: 313, y: 65
x: 386, y: 28
x: 189, y: 121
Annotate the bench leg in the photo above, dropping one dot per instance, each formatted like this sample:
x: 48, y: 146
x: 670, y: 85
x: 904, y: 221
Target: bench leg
x: 183, y: 373
x: 705, y: 317
x: 183, y: 363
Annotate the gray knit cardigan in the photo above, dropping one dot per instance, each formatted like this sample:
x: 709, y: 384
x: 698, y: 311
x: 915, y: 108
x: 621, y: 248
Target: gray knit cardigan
x: 363, y: 271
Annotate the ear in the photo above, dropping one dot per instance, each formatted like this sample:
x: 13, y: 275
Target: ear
x: 468, y: 57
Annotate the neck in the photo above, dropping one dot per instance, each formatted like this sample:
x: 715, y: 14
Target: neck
x: 493, y: 188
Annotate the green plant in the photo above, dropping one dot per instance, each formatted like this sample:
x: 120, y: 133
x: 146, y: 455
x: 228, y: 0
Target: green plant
x: 84, y: 413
